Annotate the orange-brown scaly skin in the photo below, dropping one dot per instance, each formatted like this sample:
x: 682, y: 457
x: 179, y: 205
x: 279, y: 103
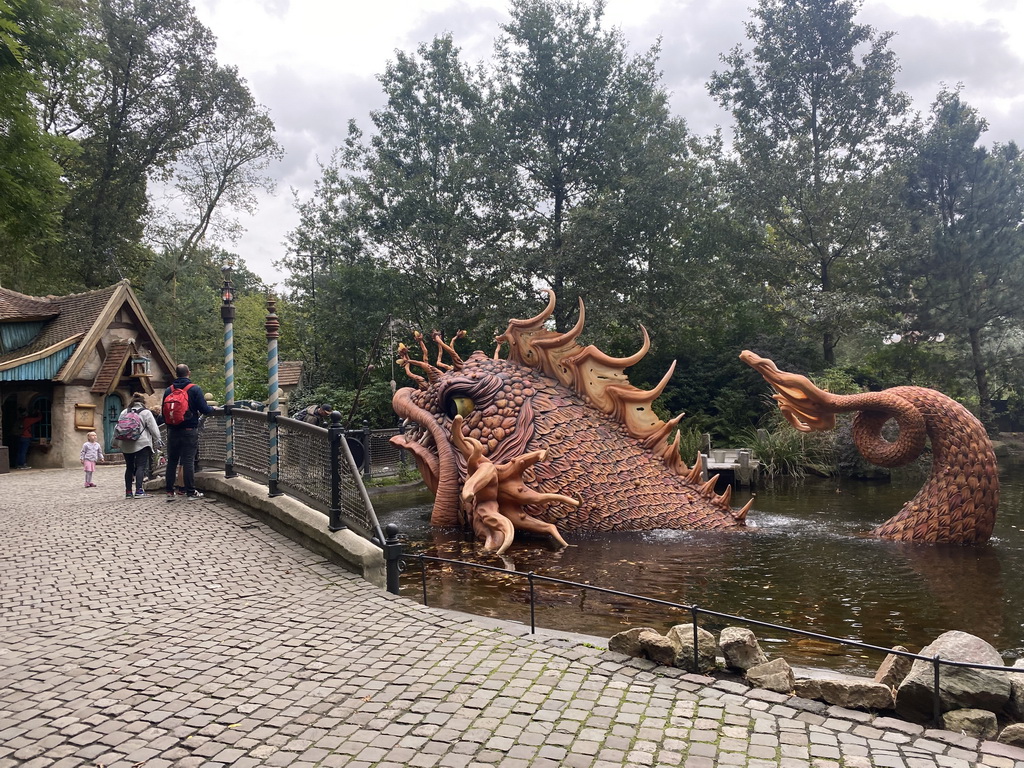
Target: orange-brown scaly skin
x: 565, y: 443
x: 957, y: 504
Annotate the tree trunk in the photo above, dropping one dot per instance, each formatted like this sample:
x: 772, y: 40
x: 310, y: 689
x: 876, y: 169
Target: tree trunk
x: 981, y: 379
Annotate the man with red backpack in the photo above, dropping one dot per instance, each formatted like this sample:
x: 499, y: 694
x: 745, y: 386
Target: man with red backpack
x: 182, y: 404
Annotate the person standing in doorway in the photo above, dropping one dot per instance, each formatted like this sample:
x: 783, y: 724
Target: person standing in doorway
x: 28, y: 421
x: 138, y: 452
x: 183, y: 403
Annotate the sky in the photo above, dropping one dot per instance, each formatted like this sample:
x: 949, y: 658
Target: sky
x: 314, y: 64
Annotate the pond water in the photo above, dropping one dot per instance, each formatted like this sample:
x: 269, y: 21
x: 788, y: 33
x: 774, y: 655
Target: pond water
x: 804, y: 564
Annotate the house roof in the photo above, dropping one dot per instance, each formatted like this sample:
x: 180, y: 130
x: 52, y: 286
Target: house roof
x: 289, y: 373
x: 70, y: 317
x: 18, y: 307
x: 113, y: 364
x: 80, y: 319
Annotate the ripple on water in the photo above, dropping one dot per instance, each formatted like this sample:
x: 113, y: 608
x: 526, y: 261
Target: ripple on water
x: 805, y: 563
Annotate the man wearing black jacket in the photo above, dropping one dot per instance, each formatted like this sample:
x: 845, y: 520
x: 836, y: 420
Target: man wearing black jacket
x: 183, y: 438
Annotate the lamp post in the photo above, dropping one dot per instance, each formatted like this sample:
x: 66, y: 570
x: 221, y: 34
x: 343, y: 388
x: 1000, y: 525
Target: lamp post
x: 273, y: 328
x: 227, y: 314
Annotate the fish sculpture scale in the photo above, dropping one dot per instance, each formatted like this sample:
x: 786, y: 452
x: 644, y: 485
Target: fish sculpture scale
x: 958, y: 502
x: 553, y: 438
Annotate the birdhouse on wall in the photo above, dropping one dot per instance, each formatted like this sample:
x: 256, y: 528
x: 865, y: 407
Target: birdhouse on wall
x: 140, y: 366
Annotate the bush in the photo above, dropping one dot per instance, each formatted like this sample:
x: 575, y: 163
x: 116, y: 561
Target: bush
x: 784, y: 450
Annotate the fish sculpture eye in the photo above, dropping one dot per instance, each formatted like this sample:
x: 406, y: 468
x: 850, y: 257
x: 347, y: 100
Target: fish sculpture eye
x: 457, y: 405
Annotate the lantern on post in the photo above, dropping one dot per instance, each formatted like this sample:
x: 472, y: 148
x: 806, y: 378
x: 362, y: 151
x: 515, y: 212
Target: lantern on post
x: 227, y: 314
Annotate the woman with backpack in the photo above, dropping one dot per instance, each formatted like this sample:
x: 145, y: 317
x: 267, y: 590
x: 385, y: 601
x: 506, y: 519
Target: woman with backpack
x: 138, y: 434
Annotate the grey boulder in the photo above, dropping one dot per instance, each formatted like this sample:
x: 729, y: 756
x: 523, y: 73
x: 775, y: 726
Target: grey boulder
x: 740, y: 649
x: 959, y: 687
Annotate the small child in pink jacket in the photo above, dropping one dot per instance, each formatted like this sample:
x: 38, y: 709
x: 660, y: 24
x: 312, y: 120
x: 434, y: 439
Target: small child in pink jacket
x: 91, y: 453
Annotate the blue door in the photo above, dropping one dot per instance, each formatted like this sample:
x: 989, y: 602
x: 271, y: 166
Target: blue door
x: 112, y: 408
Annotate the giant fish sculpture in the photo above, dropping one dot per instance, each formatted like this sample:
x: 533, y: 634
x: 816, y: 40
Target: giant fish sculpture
x: 554, y: 438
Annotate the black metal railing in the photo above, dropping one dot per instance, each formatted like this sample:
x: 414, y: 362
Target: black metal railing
x: 396, y: 563
x: 314, y: 464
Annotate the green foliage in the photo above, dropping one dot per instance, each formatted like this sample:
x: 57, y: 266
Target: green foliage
x: 820, y: 134
x: 30, y: 190
x: 372, y: 407
x: 691, y: 443
x: 600, y: 166
x: 98, y: 99
x: 783, y: 450
x: 969, y: 202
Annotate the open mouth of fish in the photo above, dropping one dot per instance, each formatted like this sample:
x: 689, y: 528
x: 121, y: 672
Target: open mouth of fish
x: 426, y: 438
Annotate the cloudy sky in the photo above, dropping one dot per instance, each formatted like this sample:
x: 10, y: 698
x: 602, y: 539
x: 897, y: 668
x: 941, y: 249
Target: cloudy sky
x: 313, y: 63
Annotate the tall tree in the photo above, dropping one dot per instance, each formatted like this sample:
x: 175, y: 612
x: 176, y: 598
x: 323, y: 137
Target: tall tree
x: 424, y: 186
x: 340, y: 293
x: 220, y: 173
x: 578, y: 119
x: 970, y: 200
x: 820, y: 130
x: 150, y: 92
x: 30, y: 190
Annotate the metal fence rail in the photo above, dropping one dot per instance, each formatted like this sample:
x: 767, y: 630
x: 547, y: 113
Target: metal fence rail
x: 315, y: 465
x: 695, y: 612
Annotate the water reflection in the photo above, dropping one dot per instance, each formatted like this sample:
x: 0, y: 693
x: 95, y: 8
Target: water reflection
x: 804, y: 564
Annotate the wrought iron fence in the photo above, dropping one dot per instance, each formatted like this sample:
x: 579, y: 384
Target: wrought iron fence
x: 314, y: 465
x: 396, y: 562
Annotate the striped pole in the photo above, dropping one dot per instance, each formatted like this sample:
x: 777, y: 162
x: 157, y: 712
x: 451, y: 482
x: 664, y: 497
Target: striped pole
x: 273, y: 327
x: 227, y: 313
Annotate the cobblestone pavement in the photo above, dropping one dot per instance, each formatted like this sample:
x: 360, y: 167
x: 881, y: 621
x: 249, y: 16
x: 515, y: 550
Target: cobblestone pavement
x: 148, y: 633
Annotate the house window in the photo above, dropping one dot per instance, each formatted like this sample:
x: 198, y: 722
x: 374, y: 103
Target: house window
x: 41, y: 430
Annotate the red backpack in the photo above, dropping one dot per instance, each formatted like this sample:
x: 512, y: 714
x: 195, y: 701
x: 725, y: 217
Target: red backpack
x: 176, y: 405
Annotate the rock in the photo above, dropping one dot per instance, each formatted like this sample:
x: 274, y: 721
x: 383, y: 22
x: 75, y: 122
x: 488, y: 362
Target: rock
x: 658, y: 648
x: 682, y: 636
x: 855, y: 693
x: 979, y: 723
x: 740, y: 648
x: 775, y: 675
x: 894, y: 669
x: 1012, y: 735
x: 628, y: 642
x: 1015, y: 706
x: 959, y: 687
x: 807, y: 688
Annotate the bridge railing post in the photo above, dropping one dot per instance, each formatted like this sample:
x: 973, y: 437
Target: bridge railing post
x: 334, y: 435
x: 392, y: 557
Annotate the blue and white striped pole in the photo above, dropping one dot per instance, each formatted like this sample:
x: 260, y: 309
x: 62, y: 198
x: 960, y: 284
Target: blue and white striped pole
x: 273, y: 327
x: 227, y: 313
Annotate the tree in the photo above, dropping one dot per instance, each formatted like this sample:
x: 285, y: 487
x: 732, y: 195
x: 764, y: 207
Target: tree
x: 819, y: 137
x: 223, y: 169
x: 30, y: 190
x: 147, y: 95
x: 970, y: 203
x: 425, y: 186
x: 340, y: 293
x: 586, y: 129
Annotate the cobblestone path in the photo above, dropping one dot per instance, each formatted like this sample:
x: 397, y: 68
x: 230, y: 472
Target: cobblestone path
x: 146, y: 633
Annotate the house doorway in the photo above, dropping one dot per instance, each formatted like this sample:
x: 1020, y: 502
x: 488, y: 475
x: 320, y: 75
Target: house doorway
x: 112, y: 408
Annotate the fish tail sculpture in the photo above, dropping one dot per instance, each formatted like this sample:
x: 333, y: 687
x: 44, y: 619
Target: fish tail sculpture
x: 958, y: 502
x: 550, y: 439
